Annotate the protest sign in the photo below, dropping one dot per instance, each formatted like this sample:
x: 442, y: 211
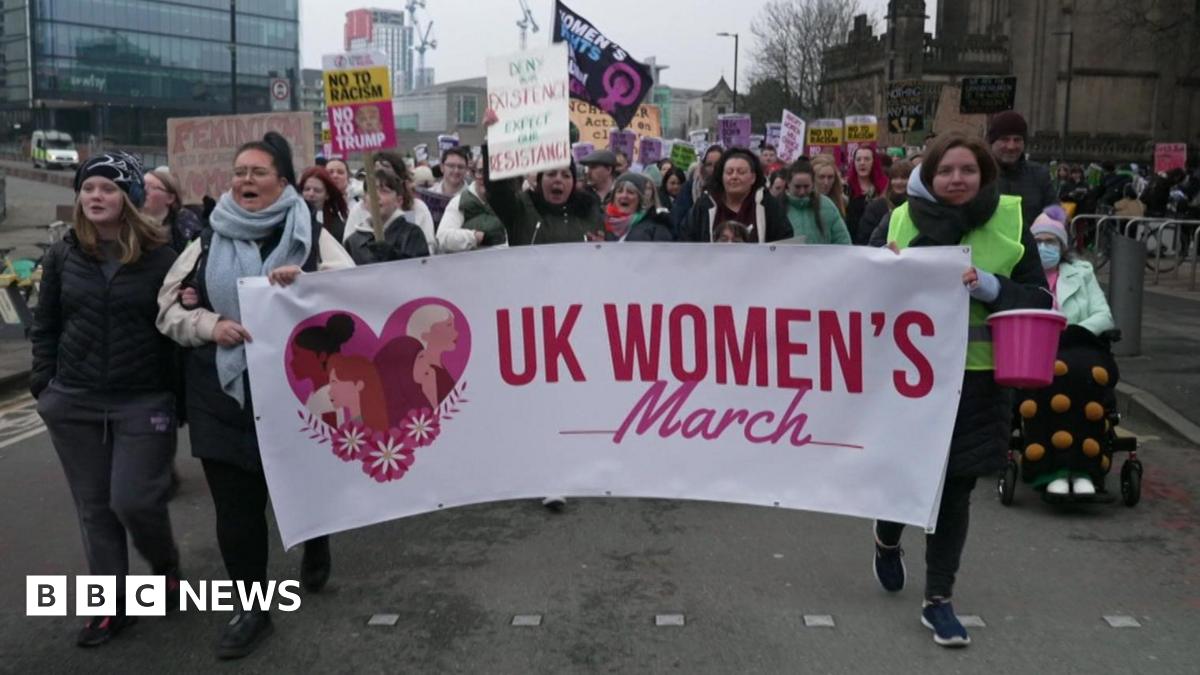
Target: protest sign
x: 650, y: 150
x: 529, y: 92
x: 987, y: 95
x: 861, y: 131
x: 594, y: 124
x: 581, y: 150
x: 733, y: 130
x: 774, y: 131
x: 949, y: 119
x: 200, y: 150
x: 756, y: 141
x: 792, y: 136
x: 602, y: 73
x: 623, y: 142
x: 421, y: 152
x: 1168, y: 156
x: 447, y: 141
x: 825, y: 138
x: 436, y: 202
x: 683, y: 155
x: 358, y: 100
x: 752, y: 392
x: 905, y: 106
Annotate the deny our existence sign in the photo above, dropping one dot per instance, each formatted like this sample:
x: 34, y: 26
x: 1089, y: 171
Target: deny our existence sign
x: 472, y: 379
x: 529, y: 91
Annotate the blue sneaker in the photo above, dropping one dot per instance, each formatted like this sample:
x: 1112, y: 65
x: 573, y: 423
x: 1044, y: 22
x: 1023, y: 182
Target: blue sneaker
x: 889, y: 567
x: 947, y: 630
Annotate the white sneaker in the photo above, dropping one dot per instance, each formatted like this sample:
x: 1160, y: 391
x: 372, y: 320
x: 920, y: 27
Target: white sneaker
x: 1058, y: 486
x: 1082, y: 485
x: 555, y: 503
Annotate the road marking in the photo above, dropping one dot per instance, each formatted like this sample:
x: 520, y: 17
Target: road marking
x: 972, y: 620
x: 668, y: 620
x: 818, y: 621
x: 1121, y: 621
x: 527, y: 620
x: 19, y: 421
x: 383, y: 620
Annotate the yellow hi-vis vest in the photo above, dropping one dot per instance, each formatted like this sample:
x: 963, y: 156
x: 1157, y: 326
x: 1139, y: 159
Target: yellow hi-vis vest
x: 996, y: 247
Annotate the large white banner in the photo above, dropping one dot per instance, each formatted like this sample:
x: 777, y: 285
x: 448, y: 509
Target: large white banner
x: 530, y: 93
x: 822, y: 378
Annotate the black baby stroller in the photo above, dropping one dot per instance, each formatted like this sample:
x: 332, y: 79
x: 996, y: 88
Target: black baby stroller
x: 1070, y: 427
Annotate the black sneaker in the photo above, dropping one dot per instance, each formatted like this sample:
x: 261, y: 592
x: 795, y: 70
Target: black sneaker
x: 948, y: 631
x: 243, y: 634
x: 315, y: 566
x: 889, y: 565
x: 101, y: 629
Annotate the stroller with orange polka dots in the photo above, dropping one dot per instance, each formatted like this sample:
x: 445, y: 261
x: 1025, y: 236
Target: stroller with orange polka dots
x: 1065, y: 435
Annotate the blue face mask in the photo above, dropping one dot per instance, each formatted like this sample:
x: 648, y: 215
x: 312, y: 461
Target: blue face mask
x: 1050, y: 255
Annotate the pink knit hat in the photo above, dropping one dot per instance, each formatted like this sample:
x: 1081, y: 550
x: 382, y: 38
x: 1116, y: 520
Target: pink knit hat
x: 1051, y: 221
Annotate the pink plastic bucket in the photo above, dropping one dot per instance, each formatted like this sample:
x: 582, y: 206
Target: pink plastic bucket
x: 1025, y: 344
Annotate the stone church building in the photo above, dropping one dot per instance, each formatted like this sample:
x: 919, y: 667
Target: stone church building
x: 1134, y: 76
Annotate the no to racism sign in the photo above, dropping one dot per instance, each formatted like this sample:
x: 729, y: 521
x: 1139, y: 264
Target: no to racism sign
x: 529, y: 92
x: 473, y: 380
x: 358, y: 101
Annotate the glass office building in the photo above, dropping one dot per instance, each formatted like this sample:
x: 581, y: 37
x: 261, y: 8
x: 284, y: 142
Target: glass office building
x: 117, y: 69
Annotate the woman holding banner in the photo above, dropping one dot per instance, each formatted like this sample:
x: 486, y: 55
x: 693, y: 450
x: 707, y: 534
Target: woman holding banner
x: 260, y: 227
x: 737, y: 191
x: 954, y: 199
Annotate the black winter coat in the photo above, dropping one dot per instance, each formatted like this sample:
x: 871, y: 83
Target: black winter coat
x: 1031, y: 182
x: 95, y: 334
x: 698, y: 226
x: 401, y: 240
x: 984, y: 419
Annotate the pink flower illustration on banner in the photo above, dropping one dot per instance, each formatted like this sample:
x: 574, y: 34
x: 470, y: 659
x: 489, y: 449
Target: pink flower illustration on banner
x: 420, y: 428
x: 350, y: 441
x: 376, y: 395
x: 388, y: 458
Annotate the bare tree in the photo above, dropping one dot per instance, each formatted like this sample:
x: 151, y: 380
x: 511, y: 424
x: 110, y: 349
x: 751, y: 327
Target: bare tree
x: 1166, y: 28
x: 790, y: 39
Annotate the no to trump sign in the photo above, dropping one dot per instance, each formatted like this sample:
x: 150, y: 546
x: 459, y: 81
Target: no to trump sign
x: 529, y: 92
x: 473, y: 380
x: 358, y: 98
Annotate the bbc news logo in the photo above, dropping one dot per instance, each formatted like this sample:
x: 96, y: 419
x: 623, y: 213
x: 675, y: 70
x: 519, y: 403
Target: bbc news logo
x: 147, y: 596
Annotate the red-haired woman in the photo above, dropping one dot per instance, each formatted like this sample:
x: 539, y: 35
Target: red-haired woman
x: 325, y: 200
x: 356, y: 389
x: 868, y: 180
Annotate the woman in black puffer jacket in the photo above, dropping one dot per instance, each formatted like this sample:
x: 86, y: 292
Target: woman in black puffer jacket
x: 102, y: 376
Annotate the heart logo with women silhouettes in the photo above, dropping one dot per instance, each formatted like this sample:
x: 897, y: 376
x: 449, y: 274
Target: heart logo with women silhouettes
x: 374, y: 398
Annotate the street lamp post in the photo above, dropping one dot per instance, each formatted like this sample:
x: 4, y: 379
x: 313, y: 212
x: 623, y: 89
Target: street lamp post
x: 735, y: 65
x: 233, y: 56
x: 1067, y: 102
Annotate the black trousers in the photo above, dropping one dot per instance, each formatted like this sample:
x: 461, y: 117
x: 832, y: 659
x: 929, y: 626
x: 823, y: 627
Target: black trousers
x: 944, y: 547
x: 240, y: 499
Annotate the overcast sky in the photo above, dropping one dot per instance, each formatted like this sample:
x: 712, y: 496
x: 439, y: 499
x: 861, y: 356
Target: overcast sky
x: 679, y: 32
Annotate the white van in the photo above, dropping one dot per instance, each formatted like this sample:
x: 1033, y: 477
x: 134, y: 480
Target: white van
x: 53, y: 149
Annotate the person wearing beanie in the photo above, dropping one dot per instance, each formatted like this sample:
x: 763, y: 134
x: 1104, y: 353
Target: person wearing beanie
x: 1082, y: 392
x: 1007, y: 133
x: 632, y: 214
x: 260, y: 227
x: 102, y: 376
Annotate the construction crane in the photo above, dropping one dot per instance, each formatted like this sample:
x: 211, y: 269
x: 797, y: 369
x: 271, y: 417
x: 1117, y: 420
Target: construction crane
x: 526, y: 24
x: 421, y: 47
x: 410, y: 76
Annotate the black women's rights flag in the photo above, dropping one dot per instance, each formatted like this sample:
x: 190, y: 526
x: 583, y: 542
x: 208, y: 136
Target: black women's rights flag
x: 602, y: 73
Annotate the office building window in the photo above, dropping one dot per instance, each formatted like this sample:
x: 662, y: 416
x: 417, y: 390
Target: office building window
x: 468, y: 110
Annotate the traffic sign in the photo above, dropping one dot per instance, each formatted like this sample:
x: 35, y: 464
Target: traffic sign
x: 281, y: 94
